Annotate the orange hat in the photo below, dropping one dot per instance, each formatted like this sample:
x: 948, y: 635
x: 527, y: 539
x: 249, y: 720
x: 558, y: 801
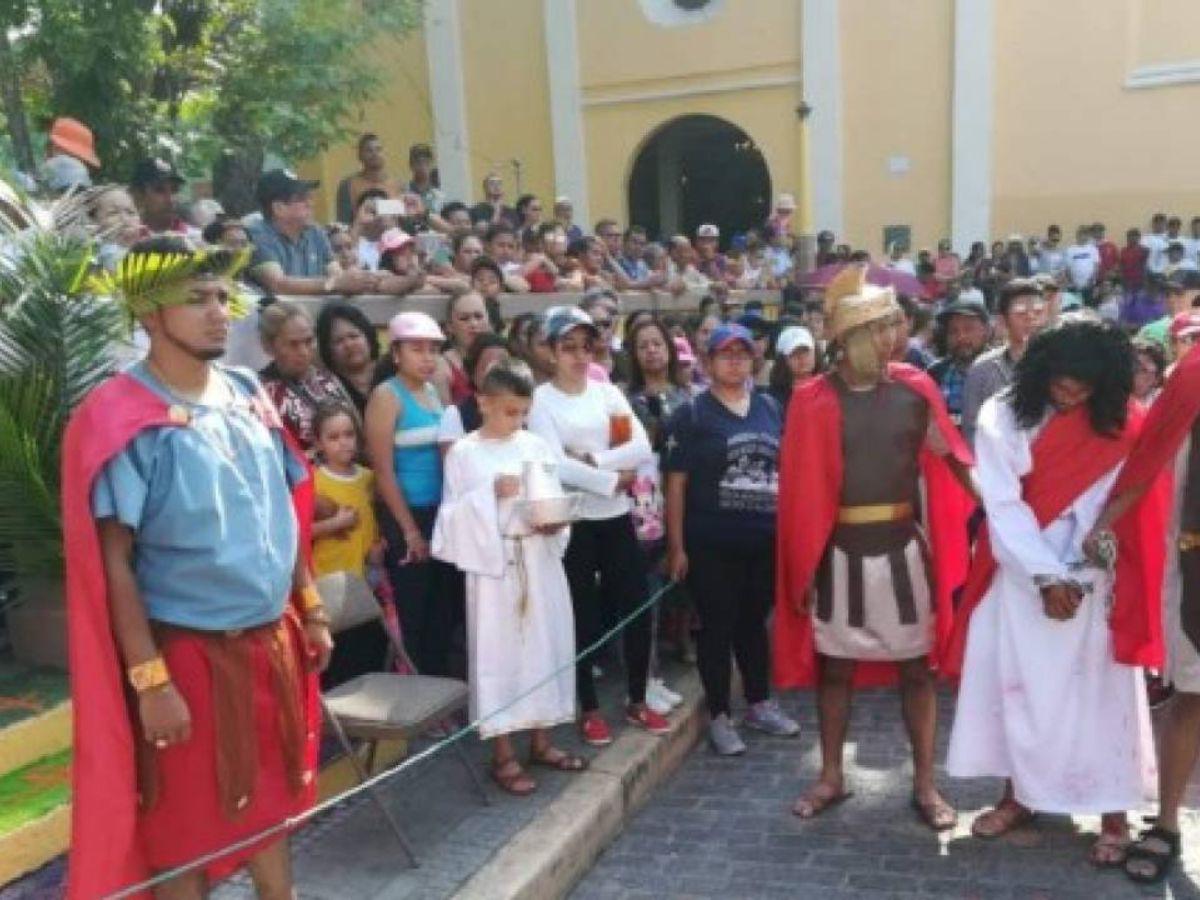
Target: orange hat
x: 75, y: 139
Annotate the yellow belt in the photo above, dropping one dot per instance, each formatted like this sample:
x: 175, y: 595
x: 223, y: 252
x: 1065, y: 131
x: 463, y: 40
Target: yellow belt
x: 1189, y: 540
x: 876, y: 512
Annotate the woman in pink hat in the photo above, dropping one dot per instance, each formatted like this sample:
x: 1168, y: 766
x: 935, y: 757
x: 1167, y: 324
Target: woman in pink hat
x: 402, y: 420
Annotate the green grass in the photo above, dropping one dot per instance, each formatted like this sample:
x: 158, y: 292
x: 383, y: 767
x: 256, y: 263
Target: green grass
x: 31, y: 792
x: 26, y: 692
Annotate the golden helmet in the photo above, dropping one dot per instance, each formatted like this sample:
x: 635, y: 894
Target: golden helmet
x: 850, y: 301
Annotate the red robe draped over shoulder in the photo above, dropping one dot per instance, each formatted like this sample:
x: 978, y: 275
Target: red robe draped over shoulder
x: 1068, y: 457
x: 105, y: 853
x: 810, y: 487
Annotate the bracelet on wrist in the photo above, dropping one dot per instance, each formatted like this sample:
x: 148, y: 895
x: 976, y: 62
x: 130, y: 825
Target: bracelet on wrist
x: 149, y: 675
x: 317, y: 617
x: 310, y: 599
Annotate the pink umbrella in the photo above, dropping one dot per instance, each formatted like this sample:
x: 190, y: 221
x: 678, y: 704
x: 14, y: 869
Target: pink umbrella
x: 877, y: 275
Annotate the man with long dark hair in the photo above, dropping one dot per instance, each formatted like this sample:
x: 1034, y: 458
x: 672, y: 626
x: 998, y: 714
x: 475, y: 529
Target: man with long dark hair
x: 1052, y: 695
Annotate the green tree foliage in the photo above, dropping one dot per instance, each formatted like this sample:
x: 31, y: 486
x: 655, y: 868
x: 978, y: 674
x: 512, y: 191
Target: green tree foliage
x: 199, y: 80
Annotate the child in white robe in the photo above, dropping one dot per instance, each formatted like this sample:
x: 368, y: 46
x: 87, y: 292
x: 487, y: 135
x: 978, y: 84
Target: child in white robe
x: 520, y: 628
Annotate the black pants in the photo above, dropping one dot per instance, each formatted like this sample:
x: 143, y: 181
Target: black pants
x: 610, y: 549
x: 733, y: 588
x: 426, y: 596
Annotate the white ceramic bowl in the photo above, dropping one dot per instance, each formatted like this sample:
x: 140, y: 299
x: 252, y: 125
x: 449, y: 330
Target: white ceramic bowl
x: 550, y: 510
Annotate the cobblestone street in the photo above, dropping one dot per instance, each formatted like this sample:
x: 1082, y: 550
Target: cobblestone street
x: 721, y: 828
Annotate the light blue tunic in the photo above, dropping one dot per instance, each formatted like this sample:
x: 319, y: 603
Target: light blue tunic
x: 214, y: 530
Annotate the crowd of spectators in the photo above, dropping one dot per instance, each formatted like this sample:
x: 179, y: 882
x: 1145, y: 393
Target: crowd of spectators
x: 966, y: 319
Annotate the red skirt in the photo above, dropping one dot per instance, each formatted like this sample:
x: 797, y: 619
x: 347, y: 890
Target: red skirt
x: 251, y: 760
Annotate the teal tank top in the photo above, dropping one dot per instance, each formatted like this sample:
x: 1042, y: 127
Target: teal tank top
x: 415, y: 456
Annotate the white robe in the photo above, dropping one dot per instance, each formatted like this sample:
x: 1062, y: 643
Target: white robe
x: 1043, y: 702
x: 520, y: 627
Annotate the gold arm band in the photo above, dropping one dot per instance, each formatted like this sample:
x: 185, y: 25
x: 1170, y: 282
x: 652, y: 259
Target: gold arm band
x: 1189, y: 540
x: 310, y: 599
x: 877, y: 512
x: 149, y: 675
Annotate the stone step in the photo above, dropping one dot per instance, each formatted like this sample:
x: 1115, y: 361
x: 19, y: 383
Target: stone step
x: 35, y: 814
x: 35, y: 714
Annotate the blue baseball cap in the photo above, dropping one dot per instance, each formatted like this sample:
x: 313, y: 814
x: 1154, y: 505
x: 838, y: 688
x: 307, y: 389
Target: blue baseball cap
x: 724, y: 335
x: 561, y: 320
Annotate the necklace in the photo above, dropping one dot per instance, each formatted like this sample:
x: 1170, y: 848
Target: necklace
x: 191, y: 399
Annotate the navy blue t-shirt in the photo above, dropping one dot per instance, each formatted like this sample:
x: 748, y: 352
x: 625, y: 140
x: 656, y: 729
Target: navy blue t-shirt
x: 732, y: 464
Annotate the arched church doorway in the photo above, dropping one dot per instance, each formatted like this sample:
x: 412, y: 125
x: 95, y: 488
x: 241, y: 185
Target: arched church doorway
x: 698, y: 169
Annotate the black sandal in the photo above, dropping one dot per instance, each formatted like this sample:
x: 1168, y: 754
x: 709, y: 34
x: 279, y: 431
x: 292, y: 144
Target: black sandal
x: 1143, y: 850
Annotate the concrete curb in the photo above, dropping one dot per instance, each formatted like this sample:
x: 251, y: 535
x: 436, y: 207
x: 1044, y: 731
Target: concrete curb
x: 550, y: 854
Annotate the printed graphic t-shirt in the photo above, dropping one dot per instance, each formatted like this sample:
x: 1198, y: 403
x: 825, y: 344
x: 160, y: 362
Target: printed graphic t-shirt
x: 732, y: 464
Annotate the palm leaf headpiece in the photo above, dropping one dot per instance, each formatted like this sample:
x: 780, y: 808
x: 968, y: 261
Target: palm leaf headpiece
x: 146, y: 281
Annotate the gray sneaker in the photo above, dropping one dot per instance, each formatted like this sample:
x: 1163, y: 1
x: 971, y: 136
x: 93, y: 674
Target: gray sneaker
x: 723, y: 737
x: 767, y: 717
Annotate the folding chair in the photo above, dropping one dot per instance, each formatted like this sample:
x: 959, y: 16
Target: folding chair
x: 384, y: 705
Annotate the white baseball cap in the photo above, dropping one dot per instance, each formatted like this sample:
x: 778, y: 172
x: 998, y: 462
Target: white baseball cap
x: 793, y: 338
x: 708, y: 230
x: 786, y: 202
x: 414, y: 326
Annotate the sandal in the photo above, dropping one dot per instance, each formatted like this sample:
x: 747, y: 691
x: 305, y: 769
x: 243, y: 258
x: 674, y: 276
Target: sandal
x: 559, y: 760
x: 1005, y: 816
x: 1110, y: 849
x: 817, y: 800
x: 935, y: 812
x: 1155, y: 849
x: 512, y: 778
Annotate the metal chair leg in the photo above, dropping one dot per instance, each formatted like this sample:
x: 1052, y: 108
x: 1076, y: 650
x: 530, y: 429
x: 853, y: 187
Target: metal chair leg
x: 475, y: 778
x: 372, y: 747
x: 362, y: 777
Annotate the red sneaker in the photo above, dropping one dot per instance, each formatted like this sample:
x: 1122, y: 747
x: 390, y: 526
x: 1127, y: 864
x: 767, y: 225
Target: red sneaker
x: 644, y: 717
x: 595, y: 730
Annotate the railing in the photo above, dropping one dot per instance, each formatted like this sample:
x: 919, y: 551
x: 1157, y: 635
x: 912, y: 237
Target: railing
x: 380, y: 309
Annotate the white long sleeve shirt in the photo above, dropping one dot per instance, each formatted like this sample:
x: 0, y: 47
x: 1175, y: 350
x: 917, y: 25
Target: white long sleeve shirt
x: 579, y: 424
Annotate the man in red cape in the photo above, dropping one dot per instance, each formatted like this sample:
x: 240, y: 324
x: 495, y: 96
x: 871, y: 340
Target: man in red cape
x: 193, y: 678
x: 1163, y: 471
x: 1052, y: 696
x: 858, y: 443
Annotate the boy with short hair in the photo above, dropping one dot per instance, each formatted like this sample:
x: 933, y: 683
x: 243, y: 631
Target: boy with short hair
x: 520, y: 625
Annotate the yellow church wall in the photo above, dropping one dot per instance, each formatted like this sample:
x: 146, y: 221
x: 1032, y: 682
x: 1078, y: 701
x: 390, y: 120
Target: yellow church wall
x: 614, y: 134
x: 618, y: 45
x: 507, y: 94
x: 897, y: 72
x: 1072, y: 143
x: 402, y: 115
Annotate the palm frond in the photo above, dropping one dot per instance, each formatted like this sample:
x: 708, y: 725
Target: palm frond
x: 56, y: 345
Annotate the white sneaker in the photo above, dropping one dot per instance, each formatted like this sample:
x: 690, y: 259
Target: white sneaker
x: 674, y: 696
x: 660, y: 690
x: 655, y: 699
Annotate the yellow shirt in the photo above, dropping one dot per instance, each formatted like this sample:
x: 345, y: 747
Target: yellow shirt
x: 347, y: 552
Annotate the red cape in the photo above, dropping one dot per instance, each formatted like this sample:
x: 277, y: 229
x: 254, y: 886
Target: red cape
x: 1069, y: 457
x: 106, y: 854
x: 810, y: 486
x: 1140, y: 532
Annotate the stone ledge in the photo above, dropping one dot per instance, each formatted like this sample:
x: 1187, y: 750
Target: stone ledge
x: 550, y: 854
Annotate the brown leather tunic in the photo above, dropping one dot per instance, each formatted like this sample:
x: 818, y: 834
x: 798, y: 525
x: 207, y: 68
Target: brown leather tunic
x: 883, y: 431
